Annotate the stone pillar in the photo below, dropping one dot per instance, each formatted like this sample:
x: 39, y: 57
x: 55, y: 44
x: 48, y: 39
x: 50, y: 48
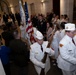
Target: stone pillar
x: 66, y: 7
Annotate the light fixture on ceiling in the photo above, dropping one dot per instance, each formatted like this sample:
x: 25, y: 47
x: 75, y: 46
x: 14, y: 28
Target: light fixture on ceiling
x: 42, y: 1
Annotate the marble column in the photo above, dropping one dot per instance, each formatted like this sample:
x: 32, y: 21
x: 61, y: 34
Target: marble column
x: 66, y: 7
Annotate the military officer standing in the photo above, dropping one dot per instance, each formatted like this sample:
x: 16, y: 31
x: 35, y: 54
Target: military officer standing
x: 37, y: 53
x: 67, y: 57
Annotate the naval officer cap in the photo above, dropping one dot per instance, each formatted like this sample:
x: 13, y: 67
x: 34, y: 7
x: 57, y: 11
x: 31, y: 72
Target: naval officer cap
x: 69, y: 27
x: 39, y: 35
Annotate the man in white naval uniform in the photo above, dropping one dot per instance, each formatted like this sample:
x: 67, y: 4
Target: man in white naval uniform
x: 1, y: 69
x: 36, y: 54
x: 75, y: 37
x: 67, y: 58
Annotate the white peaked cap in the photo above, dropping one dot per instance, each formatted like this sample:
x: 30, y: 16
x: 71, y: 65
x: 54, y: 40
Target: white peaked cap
x: 70, y: 27
x: 34, y: 29
x: 39, y: 35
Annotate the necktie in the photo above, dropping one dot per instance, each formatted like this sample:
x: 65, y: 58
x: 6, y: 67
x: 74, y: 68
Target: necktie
x: 41, y: 48
x: 73, y: 41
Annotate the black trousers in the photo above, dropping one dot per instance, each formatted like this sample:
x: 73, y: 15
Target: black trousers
x: 7, y: 69
x: 21, y: 70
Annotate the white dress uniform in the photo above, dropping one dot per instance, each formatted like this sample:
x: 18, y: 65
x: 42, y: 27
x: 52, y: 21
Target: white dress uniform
x: 56, y: 39
x: 55, y: 45
x: 1, y: 69
x: 36, y: 55
x: 67, y: 58
x: 74, y: 39
x: 61, y: 34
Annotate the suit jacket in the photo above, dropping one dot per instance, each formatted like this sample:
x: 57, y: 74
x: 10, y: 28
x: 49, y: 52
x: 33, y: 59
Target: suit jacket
x: 18, y: 17
x: 20, y: 52
x: 5, y: 18
x: 42, y: 26
x: 12, y: 16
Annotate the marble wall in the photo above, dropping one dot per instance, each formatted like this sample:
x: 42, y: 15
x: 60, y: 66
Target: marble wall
x: 66, y: 7
x: 41, y: 7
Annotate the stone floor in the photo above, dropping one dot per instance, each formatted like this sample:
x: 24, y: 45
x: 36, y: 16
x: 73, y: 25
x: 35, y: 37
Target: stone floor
x: 53, y: 71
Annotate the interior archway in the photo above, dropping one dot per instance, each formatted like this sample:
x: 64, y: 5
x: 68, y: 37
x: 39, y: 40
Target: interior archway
x: 4, y: 6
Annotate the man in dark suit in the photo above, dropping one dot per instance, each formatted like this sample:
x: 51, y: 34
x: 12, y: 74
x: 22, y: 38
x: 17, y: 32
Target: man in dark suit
x: 12, y: 16
x: 20, y: 53
x: 41, y: 24
x: 18, y: 17
x: 5, y: 17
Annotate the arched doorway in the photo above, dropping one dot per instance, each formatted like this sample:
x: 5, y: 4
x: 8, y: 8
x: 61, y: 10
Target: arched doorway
x: 4, y: 6
x: 56, y: 6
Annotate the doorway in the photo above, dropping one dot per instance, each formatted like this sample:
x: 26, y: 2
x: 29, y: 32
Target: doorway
x: 56, y: 7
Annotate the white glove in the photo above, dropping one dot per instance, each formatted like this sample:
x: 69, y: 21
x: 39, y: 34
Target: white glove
x: 48, y: 50
x: 42, y: 65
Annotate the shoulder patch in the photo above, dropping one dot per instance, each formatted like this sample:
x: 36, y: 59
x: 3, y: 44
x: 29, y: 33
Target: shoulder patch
x: 61, y: 45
